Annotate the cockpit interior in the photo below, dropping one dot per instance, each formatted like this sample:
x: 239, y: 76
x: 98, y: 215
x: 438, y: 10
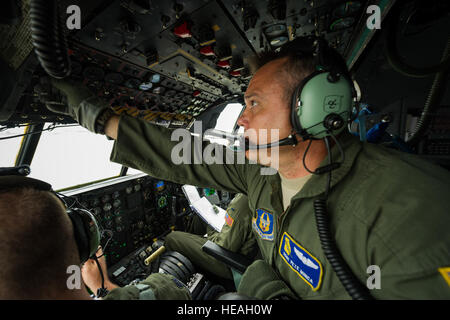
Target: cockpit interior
x: 180, y: 60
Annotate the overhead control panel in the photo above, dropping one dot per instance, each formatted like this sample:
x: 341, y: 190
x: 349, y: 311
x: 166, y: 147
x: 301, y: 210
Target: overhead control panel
x: 179, y: 56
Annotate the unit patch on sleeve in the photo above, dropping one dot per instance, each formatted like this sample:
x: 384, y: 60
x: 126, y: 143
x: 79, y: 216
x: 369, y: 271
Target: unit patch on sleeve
x: 263, y: 224
x: 301, y: 261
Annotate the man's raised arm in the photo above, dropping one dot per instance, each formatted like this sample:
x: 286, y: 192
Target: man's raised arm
x: 151, y: 148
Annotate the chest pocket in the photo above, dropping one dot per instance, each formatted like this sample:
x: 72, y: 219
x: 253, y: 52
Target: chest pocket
x: 301, y: 262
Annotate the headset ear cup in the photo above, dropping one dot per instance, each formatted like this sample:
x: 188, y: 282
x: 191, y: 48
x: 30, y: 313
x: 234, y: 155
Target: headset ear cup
x: 81, y: 237
x: 325, y: 105
x: 86, y: 233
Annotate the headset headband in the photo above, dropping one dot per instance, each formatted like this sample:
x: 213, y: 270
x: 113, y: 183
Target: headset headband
x: 12, y: 182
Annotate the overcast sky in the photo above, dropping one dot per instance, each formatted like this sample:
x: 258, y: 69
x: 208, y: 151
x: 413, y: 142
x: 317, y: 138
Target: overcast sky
x: 65, y: 156
x: 70, y: 156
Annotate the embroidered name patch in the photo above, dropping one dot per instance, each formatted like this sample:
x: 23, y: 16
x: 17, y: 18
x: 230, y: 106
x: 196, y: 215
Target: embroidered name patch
x: 301, y: 261
x: 263, y: 224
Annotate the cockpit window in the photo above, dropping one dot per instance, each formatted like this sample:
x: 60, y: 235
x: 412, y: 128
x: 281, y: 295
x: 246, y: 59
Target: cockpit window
x: 228, y: 117
x: 9, y: 147
x: 132, y: 171
x: 70, y: 156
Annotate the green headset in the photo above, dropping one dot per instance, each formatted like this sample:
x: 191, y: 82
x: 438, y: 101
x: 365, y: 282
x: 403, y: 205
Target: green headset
x: 322, y: 104
x: 85, y: 227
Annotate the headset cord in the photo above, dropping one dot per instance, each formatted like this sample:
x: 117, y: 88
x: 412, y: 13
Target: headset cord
x: 354, y: 288
x: 331, y: 165
x: 102, y: 291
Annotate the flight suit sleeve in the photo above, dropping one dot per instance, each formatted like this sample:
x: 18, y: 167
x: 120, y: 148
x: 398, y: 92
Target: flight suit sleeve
x: 261, y: 282
x: 157, y: 286
x: 423, y: 276
x: 148, y: 147
x: 414, y: 243
x: 236, y: 234
x: 422, y: 286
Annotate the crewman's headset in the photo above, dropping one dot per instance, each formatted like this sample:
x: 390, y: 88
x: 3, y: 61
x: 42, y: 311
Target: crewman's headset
x: 85, y: 228
x: 322, y: 103
x: 321, y: 107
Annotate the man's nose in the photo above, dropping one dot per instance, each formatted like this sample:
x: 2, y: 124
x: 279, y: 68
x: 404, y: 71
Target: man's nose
x: 243, y: 119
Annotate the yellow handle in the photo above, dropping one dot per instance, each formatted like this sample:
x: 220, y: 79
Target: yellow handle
x: 154, y: 255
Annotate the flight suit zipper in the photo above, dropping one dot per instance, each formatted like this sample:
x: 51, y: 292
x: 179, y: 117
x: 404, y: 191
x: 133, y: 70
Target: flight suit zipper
x: 280, y: 220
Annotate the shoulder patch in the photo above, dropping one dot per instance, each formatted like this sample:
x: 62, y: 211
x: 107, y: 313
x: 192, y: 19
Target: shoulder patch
x: 228, y: 219
x: 446, y: 274
x: 263, y: 224
x: 301, y: 261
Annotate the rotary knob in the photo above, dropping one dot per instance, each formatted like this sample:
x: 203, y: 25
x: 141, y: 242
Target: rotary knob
x: 116, y: 203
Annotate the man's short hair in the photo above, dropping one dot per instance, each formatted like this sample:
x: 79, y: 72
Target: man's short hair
x: 36, y: 244
x: 298, y: 63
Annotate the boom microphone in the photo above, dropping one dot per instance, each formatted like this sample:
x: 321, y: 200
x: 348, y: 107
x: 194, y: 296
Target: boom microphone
x: 291, y: 140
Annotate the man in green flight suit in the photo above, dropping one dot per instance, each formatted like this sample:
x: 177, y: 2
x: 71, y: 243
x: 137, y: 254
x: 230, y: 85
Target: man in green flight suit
x: 236, y: 235
x: 387, y: 211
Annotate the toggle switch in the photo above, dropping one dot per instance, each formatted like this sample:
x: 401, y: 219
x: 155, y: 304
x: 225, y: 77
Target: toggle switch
x: 224, y: 64
x: 183, y: 31
x: 207, y: 51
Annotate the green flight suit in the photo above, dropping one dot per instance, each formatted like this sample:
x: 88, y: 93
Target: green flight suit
x: 386, y: 208
x: 236, y: 235
x: 157, y: 286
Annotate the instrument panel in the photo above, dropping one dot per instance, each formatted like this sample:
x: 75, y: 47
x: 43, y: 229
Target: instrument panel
x: 134, y: 214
